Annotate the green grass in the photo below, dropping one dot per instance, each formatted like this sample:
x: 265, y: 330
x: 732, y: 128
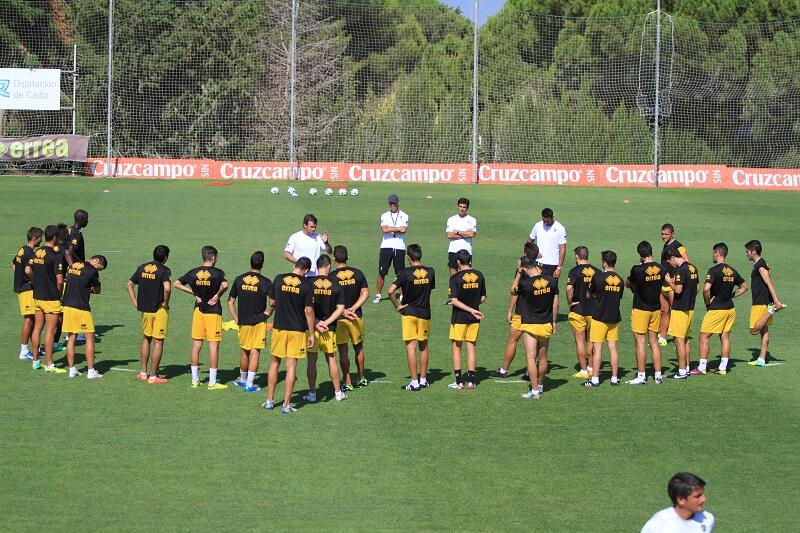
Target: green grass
x: 119, y: 455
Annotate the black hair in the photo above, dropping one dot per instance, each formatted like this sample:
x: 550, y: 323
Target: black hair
x: 257, y: 260
x: 102, y: 260
x: 34, y: 233
x: 668, y: 226
x: 531, y: 249
x: 209, y: 253
x: 414, y: 252
x: 80, y: 216
x: 309, y: 218
x: 464, y: 201
x: 609, y: 257
x: 50, y: 232
x: 645, y: 249
x: 582, y: 252
x: 340, y: 253
x: 753, y: 246
x: 304, y: 263
x: 161, y: 253
x: 682, y: 485
x: 464, y: 257
x: 323, y: 261
x: 721, y: 248
x: 547, y: 213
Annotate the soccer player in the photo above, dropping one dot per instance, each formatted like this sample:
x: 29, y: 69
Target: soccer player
x: 551, y: 237
x: 292, y: 299
x: 606, y: 289
x: 687, y: 492
x: 580, y: 308
x: 74, y: 250
x: 468, y: 292
x: 307, y: 243
x: 460, y: 229
x: 151, y: 299
x: 328, y: 307
x: 539, y: 311
x: 670, y: 243
x: 350, y: 327
x: 765, y: 300
x: 415, y: 283
x: 683, y: 282
x: 251, y: 289
x: 83, y: 280
x: 207, y: 284
x: 646, y: 281
x: 394, y: 225
x: 21, y: 265
x: 723, y: 284
x: 48, y: 285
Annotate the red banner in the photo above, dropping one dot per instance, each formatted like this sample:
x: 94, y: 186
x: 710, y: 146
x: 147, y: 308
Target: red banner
x: 675, y: 176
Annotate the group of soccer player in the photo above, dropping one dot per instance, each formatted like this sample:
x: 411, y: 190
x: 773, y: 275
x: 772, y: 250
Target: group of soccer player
x: 317, y: 307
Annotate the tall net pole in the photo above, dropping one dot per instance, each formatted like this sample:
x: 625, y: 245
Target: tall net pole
x: 292, y: 84
x: 109, y: 128
x: 475, y: 93
x: 656, y: 110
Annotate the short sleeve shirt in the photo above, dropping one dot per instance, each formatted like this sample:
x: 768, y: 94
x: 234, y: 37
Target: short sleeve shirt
x: 580, y: 277
x: 81, y: 278
x: 724, y: 280
x: 75, y: 244
x: 292, y: 294
x: 250, y: 290
x: 394, y: 241
x: 327, y: 295
x: 302, y: 245
x: 352, y: 280
x: 46, y: 265
x: 458, y: 223
x: 22, y: 260
x: 687, y: 276
x: 646, y: 281
x: 668, y: 521
x: 468, y: 286
x: 607, y: 288
x: 758, y: 289
x: 149, y: 279
x: 668, y: 247
x: 549, y: 239
x: 205, y: 282
x: 416, y: 284
x: 537, y: 294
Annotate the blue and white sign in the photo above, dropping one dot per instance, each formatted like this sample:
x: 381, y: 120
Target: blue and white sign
x: 34, y: 89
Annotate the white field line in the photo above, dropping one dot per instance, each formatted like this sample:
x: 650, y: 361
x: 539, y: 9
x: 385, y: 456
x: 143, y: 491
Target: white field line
x: 123, y: 369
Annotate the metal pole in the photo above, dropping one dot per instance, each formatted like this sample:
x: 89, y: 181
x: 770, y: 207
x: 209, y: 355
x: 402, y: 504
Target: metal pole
x: 475, y: 93
x: 293, y: 80
x: 109, y: 129
x: 74, y: 85
x: 656, y: 108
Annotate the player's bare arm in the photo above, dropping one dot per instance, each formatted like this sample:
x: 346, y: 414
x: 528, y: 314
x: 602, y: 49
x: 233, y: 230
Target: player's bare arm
x: 232, y: 308
x: 167, y: 294
x: 707, y: 294
x: 768, y: 282
x: 132, y: 293
x: 222, y: 288
x: 309, y: 312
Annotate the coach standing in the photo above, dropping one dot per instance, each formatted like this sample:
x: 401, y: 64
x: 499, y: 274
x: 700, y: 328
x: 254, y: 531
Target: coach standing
x: 307, y: 243
x: 394, y: 224
x: 460, y: 229
x: 551, y: 237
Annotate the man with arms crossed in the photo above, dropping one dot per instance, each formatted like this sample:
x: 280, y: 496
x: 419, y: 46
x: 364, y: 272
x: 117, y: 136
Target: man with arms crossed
x: 551, y: 237
x: 48, y: 285
x: 83, y: 279
x: 606, y: 289
x: 21, y: 265
x: 765, y: 300
x: 251, y: 289
x: 75, y: 249
x: 207, y: 284
x: 394, y: 224
x: 350, y: 327
x: 646, y: 281
x: 687, y: 492
x: 307, y: 243
x: 580, y: 308
x: 683, y: 284
x: 460, y: 229
x: 468, y: 292
x: 152, y: 301
x: 670, y: 244
x: 292, y: 299
x: 415, y: 283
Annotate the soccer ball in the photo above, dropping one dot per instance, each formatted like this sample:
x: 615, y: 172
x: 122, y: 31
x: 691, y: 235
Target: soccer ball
x: 312, y: 191
x: 353, y: 192
x: 275, y: 190
x: 328, y: 192
x: 291, y: 191
x: 342, y: 192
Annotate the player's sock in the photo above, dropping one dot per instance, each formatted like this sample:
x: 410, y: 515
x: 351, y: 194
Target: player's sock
x: 23, y: 349
x: 423, y: 382
x: 195, y: 374
x: 251, y: 376
x: 541, y: 388
x: 458, y: 376
x: 642, y: 375
x: 415, y: 383
x: 614, y: 380
x: 503, y: 370
x: 658, y: 375
x: 589, y: 369
x: 242, y: 375
x: 682, y: 372
x: 686, y: 370
x: 723, y: 363
x: 595, y: 379
x: 212, y: 376
x: 703, y: 364
x: 471, y: 376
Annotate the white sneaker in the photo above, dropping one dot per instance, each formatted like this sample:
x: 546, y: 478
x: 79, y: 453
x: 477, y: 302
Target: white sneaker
x: 27, y: 356
x: 455, y: 385
x: 637, y: 381
x: 340, y: 396
x: 310, y: 397
x: 662, y: 341
x: 93, y: 374
x: 532, y: 395
x: 73, y: 373
x: 377, y: 299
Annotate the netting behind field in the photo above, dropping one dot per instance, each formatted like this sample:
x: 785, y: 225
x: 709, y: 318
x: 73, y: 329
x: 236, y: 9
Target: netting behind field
x: 387, y: 81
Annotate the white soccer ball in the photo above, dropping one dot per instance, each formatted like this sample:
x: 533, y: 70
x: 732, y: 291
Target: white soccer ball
x: 292, y: 191
x: 343, y: 192
x: 275, y: 190
x: 312, y: 191
x: 328, y: 192
x: 353, y: 192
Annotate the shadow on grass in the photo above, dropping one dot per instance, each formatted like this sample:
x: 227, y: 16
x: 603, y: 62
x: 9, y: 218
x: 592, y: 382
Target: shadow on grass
x: 104, y: 365
x: 101, y: 330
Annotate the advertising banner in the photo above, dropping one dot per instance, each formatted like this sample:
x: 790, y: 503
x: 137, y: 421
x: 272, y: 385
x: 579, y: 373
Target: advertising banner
x: 44, y: 148
x: 34, y: 89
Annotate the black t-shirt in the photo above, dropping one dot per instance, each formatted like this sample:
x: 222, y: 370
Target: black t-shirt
x: 580, y: 277
x: 646, y: 282
x: 537, y: 294
x: 723, y: 279
x: 685, y: 275
x: 668, y: 247
x: 60, y: 249
x: 292, y: 294
x: 81, y: 277
x: 46, y: 264
x: 607, y: 289
x: 205, y: 282
x: 416, y: 284
x: 759, y: 289
x: 75, y: 243
x: 518, y: 305
x: 150, y: 278
x: 22, y: 260
x: 352, y: 280
x: 251, y: 289
x: 327, y: 295
x: 468, y: 286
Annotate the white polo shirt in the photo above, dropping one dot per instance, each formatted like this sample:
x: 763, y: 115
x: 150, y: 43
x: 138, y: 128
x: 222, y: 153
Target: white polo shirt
x: 394, y: 241
x: 302, y: 245
x: 549, y: 238
x: 668, y: 521
x: 458, y: 223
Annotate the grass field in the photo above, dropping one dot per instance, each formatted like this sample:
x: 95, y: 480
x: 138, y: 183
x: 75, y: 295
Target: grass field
x: 118, y: 455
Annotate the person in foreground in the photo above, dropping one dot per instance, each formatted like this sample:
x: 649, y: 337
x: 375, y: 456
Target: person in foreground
x: 687, y: 492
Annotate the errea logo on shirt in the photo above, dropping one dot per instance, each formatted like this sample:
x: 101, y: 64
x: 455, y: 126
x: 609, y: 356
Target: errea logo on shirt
x: 203, y: 278
x: 250, y: 283
x: 323, y: 286
x: 148, y: 272
x: 652, y: 270
x: 470, y: 280
x: 727, y: 271
x: 40, y: 253
x: 422, y: 277
x: 75, y: 269
x: 291, y: 284
x: 613, y: 284
x: 250, y: 280
x: 345, y: 277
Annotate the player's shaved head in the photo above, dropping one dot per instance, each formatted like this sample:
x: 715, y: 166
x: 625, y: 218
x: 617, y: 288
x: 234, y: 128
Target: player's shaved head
x: 721, y: 249
x: 668, y: 227
x: 99, y: 261
x: 582, y: 252
x: 81, y: 217
x: 303, y: 264
x: 323, y: 261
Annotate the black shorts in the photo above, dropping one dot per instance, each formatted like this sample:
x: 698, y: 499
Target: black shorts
x: 549, y: 269
x: 391, y: 256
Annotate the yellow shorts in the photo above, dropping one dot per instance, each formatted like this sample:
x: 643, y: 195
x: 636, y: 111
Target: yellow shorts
x: 155, y: 324
x: 206, y: 326
x: 50, y: 307
x: 579, y: 322
x: 464, y: 332
x: 516, y: 322
x: 666, y: 289
x: 290, y: 344
x: 680, y: 323
x: 350, y: 331
x: 27, y: 306
x: 415, y: 329
x: 77, y: 321
x: 602, y: 332
x: 324, y: 342
x: 644, y: 321
x: 757, y: 312
x: 718, y: 321
x: 542, y: 332
x: 253, y: 337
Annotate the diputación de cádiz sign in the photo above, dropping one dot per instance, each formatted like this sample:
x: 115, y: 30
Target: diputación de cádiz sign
x: 32, y: 89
